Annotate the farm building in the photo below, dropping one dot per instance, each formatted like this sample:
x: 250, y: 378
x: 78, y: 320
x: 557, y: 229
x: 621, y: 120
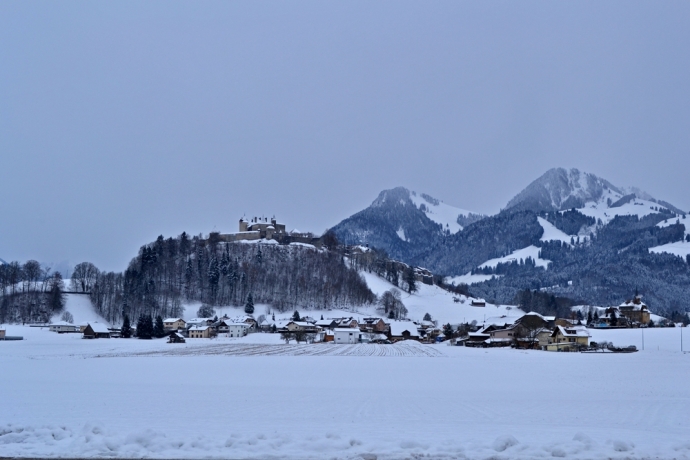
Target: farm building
x: 403, y: 330
x: 96, y: 331
x: 63, y: 326
x: 346, y: 335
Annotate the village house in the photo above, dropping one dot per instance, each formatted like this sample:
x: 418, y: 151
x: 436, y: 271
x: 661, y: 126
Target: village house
x: 373, y: 325
x: 300, y: 326
x: 346, y: 335
x: 237, y: 329
x: 174, y: 324
x: 248, y: 320
x: 199, y: 322
x: 476, y: 339
x: 326, y: 323
x: 96, y: 331
x: 347, y: 322
x: 543, y: 338
x: 62, y: 327
x: 403, y: 330
x: 200, y: 332
x: 568, y: 339
x: 635, y: 310
x: 478, y: 303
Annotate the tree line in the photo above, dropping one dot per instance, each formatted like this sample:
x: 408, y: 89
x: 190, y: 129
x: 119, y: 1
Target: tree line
x: 29, y: 293
x: 170, y: 272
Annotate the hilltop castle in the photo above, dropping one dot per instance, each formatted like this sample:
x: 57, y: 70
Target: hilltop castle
x: 259, y: 228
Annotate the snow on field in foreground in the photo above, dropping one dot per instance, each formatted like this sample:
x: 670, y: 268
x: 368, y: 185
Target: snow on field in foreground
x: 462, y: 403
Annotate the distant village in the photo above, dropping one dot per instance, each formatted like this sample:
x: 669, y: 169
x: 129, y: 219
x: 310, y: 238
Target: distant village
x: 526, y: 331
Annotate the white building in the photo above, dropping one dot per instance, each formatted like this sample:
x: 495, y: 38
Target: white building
x: 237, y: 329
x: 346, y: 335
x: 63, y: 326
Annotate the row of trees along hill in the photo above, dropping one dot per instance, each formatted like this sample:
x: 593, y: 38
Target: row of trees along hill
x: 169, y: 272
x: 29, y: 293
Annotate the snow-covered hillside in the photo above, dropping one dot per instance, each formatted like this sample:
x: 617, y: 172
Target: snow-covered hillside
x: 82, y: 310
x: 520, y: 254
x: 551, y: 233
x: 600, y: 209
x: 440, y: 212
x: 439, y: 304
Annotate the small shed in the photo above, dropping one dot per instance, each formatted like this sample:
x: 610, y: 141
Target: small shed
x: 96, y: 331
x: 176, y: 337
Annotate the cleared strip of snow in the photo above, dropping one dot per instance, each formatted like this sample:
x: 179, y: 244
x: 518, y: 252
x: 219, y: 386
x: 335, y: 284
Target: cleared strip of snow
x: 401, y: 234
x: 469, y: 278
x: 81, y: 308
x: 529, y: 251
x: 441, y: 213
x: 551, y: 233
x: 635, y: 207
x: 680, y: 248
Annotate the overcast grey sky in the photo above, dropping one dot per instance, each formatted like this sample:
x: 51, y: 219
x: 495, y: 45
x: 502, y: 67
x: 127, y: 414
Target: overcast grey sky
x: 120, y: 121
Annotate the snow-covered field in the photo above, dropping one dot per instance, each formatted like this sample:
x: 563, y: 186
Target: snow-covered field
x: 62, y: 396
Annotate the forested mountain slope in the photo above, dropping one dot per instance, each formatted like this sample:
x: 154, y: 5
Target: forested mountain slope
x: 404, y: 223
x: 171, y: 271
x: 569, y: 233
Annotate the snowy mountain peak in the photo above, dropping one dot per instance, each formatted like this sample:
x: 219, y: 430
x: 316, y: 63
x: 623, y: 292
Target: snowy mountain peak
x: 559, y: 189
x: 450, y: 218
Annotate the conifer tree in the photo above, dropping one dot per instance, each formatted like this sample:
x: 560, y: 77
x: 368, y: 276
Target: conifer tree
x: 145, y: 327
x: 410, y: 280
x: 249, y: 306
x: 126, y: 331
x: 296, y: 317
x: 448, y: 331
x: 159, y: 329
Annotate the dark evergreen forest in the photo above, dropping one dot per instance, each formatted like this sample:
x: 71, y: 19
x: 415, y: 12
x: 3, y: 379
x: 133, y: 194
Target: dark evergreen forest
x: 172, y: 271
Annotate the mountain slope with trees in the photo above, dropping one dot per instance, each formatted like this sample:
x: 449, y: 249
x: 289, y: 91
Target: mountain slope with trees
x: 172, y: 271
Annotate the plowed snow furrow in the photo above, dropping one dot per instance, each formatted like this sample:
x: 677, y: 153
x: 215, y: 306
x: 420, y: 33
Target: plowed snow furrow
x: 396, y: 350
